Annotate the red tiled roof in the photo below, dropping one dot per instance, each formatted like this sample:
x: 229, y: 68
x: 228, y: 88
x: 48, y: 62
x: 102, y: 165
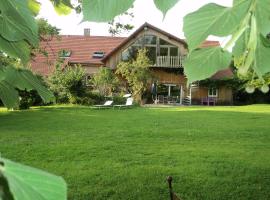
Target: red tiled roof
x: 222, y: 74
x: 82, y: 48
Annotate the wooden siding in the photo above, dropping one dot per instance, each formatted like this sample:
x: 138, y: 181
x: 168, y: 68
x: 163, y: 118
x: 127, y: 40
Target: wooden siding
x: 225, y: 95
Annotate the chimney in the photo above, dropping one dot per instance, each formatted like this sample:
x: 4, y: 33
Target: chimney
x: 87, y: 32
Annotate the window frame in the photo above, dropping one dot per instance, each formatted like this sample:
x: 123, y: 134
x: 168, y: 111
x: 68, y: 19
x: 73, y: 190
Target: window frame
x: 211, y: 93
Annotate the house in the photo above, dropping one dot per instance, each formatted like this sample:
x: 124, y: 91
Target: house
x: 166, y: 52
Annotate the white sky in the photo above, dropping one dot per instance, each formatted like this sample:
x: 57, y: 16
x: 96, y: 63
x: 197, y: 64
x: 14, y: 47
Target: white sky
x: 144, y: 11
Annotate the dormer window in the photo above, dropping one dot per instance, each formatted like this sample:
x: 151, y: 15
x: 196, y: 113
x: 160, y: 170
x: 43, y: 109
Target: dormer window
x: 64, y: 53
x: 98, y: 54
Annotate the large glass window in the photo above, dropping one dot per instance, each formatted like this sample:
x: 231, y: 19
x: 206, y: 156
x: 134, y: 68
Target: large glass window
x: 130, y: 53
x: 151, y: 53
x: 163, y: 42
x: 150, y: 39
x: 155, y: 46
x: 164, y: 51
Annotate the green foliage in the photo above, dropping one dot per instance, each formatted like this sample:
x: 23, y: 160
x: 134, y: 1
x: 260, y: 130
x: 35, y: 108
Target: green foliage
x: 31, y: 98
x: 105, y: 81
x: 18, y: 37
x: 18, y: 29
x: 62, y: 7
x: 104, y: 10
x: 202, y: 58
x: 25, y: 183
x: 165, y: 5
x: 46, y: 29
x: 248, y: 23
x: 34, y: 6
x: 137, y: 73
x: 12, y: 78
x: 68, y: 83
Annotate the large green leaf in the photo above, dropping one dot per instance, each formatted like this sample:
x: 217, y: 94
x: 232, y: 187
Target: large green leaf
x: 104, y: 10
x: 19, y: 49
x: 262, y: 59
x: 23, y: 79
x: 27, y: 183
x: 8, y: 95
x: 34, y: 6
x: 17, y: 22
x: 203, y: 63
x: 62, y: 7
x: 241, y: 44
x: 263, y: 16
x: 213, y: 19
x: 165, y: 5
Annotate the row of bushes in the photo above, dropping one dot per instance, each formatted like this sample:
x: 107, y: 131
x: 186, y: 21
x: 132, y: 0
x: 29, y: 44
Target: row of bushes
x: 28, y: 99
x: 70, y: 87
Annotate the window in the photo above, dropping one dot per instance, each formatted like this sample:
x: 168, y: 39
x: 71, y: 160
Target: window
x: 152, y: 54
x: 164, y: 42
x: 212, y: 92
x: 130, y: 53
x: 64, y: 53
x: 173, y: 51
x: 98, y: 54
x: 150, y: 39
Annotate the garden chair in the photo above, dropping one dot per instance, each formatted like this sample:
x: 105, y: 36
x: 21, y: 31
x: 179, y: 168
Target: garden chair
x: 107, y: 104
x: 129, y: 103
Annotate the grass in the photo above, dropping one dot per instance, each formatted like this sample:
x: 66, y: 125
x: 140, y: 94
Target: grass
x: 211, y: 152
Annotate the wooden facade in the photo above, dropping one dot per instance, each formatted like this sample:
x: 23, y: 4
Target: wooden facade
x: 171, y: 74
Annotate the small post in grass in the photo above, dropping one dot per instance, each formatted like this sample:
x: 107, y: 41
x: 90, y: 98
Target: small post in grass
x: 172, y: 194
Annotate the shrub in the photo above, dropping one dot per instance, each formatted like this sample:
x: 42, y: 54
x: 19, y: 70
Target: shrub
x: 68, y: 84
x: 105, y: 81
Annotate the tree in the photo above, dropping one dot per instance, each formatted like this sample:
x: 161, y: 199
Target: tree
x: 137, y: 73
x: 105, y: 81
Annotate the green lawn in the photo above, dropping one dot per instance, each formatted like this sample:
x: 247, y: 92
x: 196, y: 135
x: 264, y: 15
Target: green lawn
x: 212, y: 153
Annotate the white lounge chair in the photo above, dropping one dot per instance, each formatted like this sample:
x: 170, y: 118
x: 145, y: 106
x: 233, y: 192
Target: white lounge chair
x: 107, y: 104
x: 128, y: 104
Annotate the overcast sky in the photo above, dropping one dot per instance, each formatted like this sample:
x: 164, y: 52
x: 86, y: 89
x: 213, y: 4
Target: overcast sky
x: 144, y: 11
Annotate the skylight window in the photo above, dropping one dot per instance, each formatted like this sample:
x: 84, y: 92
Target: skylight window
x: 64, y: 53
x: 98, y: 54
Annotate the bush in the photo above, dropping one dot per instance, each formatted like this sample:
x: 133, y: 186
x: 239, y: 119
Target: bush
x: 68, y: 84
x: 105, y: 81
x: 96, y: 97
